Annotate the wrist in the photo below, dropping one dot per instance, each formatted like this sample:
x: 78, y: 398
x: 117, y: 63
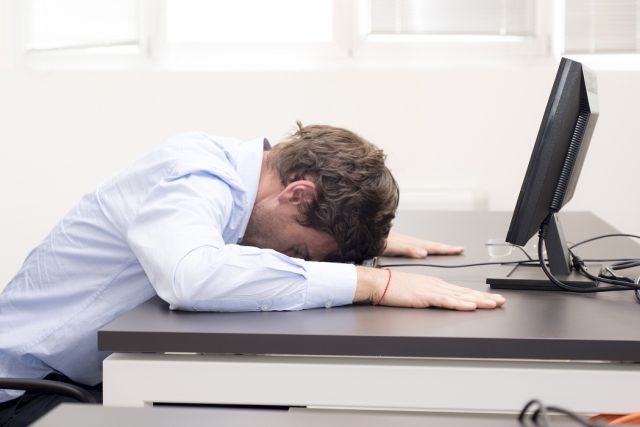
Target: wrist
x: 386, y: 288
x: 371, y: 284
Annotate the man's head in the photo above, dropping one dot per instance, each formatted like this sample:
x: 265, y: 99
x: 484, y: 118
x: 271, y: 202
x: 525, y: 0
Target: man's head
x: 334, y: 199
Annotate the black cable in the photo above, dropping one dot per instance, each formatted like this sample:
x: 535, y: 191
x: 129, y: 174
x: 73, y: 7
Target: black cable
x: 455, y: 265
x: 540, y: 415
x: 623, y: 281
x: 623, y: 265
x: 539, y: 411
x: 578, y: 263
x: 532, y: 262
x: 609, y: 273
x: 565, y: 286
x: 609, y: 260
x: 575, y: 245
x: 618, y: 285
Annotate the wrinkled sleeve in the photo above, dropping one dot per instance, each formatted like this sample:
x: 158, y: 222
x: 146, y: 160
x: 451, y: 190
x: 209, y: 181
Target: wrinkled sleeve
x: 177, y: 237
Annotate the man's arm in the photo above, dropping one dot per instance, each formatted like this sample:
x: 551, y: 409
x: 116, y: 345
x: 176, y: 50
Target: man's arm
x: 418, y: 291
x: 177, y: 236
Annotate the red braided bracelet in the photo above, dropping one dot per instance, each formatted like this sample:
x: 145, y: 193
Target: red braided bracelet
x: 385, y: 289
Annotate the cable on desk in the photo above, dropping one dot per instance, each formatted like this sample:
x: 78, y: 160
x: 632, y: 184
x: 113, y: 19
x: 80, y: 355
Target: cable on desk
x: 539, y: 415
x: 623, y: 262
x: 568, y: 287
x: 526, y: 262
x: 456, y: 265
x: 610, y: 260
x: 620, y: 284
x: 604, y: 236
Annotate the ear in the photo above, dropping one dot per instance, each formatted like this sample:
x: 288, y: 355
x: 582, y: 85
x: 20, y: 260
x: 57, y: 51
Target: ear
x: 298, y: 192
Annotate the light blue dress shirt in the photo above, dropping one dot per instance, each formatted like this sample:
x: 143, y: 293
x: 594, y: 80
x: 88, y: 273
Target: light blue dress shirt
x: 167, y: 225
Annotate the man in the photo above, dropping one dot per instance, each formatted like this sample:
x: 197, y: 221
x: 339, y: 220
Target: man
x: 209, y: 223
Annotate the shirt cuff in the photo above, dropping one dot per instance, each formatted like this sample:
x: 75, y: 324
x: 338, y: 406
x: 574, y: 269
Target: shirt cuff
x: 329, y: 284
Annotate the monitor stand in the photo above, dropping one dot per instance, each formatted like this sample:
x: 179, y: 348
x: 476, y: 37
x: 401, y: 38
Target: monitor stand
x: 531, y: 277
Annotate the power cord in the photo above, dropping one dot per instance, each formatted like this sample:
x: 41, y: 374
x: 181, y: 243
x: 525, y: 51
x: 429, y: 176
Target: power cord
x: 604, y: 236
x: 619, y: 284
x: 457, y: 265
x: 539, y: 415
x: 619, y: 265
x: 578, y: 266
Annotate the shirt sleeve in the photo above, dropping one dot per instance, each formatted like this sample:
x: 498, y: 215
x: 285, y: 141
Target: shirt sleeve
x: 177, y: 236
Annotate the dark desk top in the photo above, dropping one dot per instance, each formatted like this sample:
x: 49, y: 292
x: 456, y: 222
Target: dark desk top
x: 93, y: 415
x: 532, y: 325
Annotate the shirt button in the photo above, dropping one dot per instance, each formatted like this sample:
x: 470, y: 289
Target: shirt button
x: 327, y: 304
x: 264, y: 307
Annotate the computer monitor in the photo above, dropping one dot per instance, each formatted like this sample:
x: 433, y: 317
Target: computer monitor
x: 551, y: 178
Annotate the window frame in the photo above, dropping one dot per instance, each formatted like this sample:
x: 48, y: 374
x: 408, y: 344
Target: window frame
x: 349, y: 46
x: 241, y: 55
x: 598, y: 61
x: 81, y: 57
x: 450, y: 48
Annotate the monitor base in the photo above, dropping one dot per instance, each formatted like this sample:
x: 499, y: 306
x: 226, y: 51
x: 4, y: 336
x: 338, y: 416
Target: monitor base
x: 532, y: 278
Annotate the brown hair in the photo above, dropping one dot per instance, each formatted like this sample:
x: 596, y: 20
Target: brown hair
x: 356, y: 195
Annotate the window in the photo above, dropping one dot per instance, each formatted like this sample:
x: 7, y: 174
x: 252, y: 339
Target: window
x: 248, y: 21
x: 101, y: 25
x: 602, y: 26
x: 250, y: 33
x: 452, y: 17
x: 446, y: 29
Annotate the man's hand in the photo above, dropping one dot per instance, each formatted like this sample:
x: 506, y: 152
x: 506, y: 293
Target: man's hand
x: 418, y: 291
x: 411, y: 247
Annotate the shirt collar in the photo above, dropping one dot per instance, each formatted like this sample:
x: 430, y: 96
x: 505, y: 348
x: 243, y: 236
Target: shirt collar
x: 249, y: 165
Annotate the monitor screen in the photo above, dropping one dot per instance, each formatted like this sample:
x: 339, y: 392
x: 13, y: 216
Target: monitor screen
x: 552, y: 175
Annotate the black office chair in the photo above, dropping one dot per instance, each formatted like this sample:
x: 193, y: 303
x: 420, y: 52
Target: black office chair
x: 48, y: 386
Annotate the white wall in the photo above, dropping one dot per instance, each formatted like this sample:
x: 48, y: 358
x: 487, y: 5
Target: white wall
x: 467, y: 127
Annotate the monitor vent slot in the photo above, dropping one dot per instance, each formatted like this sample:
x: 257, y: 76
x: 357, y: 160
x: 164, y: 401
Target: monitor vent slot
x: 570, y: 159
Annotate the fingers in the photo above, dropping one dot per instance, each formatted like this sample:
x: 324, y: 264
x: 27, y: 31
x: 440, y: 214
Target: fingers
x: 421, y: 250
x: 451, y: 302
x: 494, y: 300
x: 410, y: 251
x: 443, y: 249
x: 408, y: 246
x: 480, y: 299
x: 463, y: 303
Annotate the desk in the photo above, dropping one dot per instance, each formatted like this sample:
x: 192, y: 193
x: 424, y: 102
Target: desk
x: 576, y: 351
x: 70, y: 415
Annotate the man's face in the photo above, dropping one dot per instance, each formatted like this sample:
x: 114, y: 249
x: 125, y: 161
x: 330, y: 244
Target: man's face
x: 275, y: 227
